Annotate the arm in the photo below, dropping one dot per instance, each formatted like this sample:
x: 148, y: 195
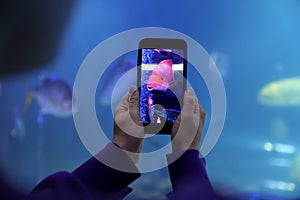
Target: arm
x: 189, y: 178
x: 187, y: 170
x: 91, y: 180
x: 94, y: 179
x: 103, y: 181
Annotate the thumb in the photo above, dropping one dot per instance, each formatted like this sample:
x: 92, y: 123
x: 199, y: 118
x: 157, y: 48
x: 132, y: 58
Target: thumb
x: 134, y: 104
x: 133, y: 97
x: 123, y: 105
x: 188, y: 104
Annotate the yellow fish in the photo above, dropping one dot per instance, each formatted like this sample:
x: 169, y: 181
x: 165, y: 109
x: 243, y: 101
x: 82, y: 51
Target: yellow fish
x: 285, y: 92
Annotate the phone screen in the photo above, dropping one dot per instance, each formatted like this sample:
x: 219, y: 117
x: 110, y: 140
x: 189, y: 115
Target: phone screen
x: 162, y: 83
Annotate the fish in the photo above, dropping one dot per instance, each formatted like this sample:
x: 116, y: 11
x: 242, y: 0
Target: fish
x: 54, y: 97
x: 164, y: 52
x: 117, y: 79
x: 161, y: 76
x: 281, y: 93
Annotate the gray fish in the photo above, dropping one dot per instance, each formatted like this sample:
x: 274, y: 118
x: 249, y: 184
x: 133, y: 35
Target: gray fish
x: 53, y: 95
x: 123, y: 72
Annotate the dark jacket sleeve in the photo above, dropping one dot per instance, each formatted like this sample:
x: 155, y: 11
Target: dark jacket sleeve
x: 188, y: 177
x: 92, y: 180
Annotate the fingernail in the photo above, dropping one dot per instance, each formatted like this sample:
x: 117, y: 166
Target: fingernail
x: 133, y: 95
x: 190, y: 91
x: 132, y: 89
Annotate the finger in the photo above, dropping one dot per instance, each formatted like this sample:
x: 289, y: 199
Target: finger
x: 199, y: 111
x: 133, y: 98
x: 123, y: 105
x: 185, y: 118
x: 188, y: 102
x: 176, y: 126
x: 134, y: 105
x: 198, y: 108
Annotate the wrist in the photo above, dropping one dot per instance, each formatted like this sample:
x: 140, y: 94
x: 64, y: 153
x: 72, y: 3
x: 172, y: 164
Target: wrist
x: 133, y: 156
x: 178, y: 148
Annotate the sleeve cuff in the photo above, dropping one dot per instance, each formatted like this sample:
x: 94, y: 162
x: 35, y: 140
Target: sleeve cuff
x: 172, y: 157
x: 100, y: 178
x: 188, y: 176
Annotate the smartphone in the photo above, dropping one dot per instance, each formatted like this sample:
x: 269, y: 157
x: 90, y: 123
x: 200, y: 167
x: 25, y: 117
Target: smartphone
x: 161, y: 79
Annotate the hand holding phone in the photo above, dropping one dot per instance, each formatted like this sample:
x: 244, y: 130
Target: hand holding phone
x: 128, y: 129
x: 187, y: 129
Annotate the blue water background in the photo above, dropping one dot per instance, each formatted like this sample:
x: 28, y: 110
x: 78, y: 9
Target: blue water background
x: 260, y: 41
